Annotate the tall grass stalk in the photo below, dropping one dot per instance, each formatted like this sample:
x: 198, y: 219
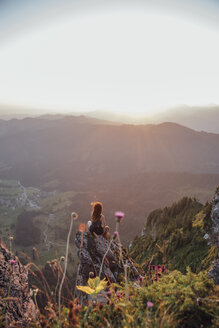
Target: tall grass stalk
x: 108, y: 248
x: 59, y: 270
x: 124, y: 265
x: 74, y: 216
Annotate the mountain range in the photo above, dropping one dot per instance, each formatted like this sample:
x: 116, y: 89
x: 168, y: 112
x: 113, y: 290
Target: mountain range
x: 78, y: 151
x: 200, y: 118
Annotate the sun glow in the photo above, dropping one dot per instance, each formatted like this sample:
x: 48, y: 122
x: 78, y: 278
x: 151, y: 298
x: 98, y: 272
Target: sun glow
x: 126, y: 62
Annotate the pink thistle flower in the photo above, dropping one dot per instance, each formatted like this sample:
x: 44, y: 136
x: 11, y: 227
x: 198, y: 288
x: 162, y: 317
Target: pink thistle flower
x: 119, y: 215
x: 13, y: 262
x: 149, y: 304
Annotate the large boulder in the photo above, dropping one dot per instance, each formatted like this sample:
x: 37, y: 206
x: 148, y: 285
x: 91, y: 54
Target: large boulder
x: 16, y: 306
x: 91, y: 251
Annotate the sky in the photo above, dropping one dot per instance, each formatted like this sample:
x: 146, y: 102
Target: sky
x: 130, y: 57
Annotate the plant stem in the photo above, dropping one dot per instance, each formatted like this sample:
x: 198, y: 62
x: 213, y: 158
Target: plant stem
x: 65, y: 269
x: 35, y: 301
x: 101, y: 267
x: 124, y: 265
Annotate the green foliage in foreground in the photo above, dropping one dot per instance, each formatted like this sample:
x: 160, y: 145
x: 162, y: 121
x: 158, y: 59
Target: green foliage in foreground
x: 175, y: 236
x: 175, y: 300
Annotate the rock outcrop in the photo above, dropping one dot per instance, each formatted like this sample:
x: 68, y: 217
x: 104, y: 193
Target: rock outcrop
x: 16, y: 306
x: 214, y: 272
x: 91, y: 251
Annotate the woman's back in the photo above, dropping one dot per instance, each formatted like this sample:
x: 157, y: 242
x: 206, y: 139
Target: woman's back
x: 97, y: 219
x: 97, y: 227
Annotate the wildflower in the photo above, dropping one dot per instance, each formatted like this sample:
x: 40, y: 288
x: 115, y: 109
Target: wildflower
x: 149, y: 304
x: 100, y: 306
x: 119, y: 216
x: 115, y: 235
x: 140, y: 278
x: 95, y: 286
x: 74, y: 216
x: 11, y: 238
x: 82, y: 227
x: 13, y: 262
x: 91, y: 274
x: 108, y: 293
x: 62, y: 258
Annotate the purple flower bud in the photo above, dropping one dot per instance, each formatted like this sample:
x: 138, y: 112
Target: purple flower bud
x: 115, y: 235
x: 13, y: 262
x: 149, y: 304
x: 91, y: 274
x: 108, y: 293
x: 140, y: 278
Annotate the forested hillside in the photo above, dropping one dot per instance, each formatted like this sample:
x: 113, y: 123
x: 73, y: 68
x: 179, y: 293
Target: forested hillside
x: 177, y: 236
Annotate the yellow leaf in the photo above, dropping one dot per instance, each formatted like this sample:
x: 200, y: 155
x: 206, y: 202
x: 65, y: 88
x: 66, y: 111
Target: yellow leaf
x: 99, y: 288
x: 86, y: 289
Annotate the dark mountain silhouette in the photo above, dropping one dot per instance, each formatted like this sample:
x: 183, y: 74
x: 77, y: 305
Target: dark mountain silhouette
x: 76, y: 152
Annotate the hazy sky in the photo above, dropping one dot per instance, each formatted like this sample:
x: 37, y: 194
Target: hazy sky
x: 126, y: 56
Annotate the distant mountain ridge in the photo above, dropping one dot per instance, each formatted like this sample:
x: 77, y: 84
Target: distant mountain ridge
x: 200, y: 118
x: 77, y: 150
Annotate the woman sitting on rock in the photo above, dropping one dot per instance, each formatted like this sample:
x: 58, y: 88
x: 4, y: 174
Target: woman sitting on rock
x: 97, y: 224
